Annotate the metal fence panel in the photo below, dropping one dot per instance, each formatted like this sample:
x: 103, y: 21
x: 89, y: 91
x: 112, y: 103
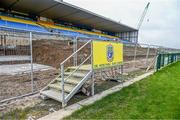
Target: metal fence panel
x: 15, y: 63
x: 165, y: 59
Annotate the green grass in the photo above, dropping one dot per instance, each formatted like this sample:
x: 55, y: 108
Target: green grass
x: 155, y: 97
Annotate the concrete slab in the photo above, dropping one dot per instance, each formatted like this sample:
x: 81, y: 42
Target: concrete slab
x: 14, y: 58
x: 58, y: 115
x: 22, y: 68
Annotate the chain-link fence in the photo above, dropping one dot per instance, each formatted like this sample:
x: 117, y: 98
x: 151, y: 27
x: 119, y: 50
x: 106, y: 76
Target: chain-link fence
x: 29, y: 61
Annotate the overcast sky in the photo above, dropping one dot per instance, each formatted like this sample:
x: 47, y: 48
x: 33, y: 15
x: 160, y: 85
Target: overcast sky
x: 160, y: 27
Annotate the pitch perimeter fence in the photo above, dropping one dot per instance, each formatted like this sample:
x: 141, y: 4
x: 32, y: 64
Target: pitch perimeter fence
x: 165, y: 59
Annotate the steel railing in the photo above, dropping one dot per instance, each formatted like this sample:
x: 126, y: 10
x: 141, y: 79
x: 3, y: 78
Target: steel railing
x: 62, y: 65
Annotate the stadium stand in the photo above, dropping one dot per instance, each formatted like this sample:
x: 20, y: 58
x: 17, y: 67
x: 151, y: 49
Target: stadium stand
x: 28, y: 25
x: 73, y: 32
x: 76, y: 32
x: 82, y: 23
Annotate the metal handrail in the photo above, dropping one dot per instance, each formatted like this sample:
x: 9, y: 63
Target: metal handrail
x: 78, y: 67
x: 75, y: 52
x: 62, y: 70
x: 62, y: 85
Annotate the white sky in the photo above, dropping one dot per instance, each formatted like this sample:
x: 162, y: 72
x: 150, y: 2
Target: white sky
x: 162, y: 28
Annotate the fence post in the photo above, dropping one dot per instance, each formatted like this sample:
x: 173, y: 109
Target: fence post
x: 31, y: 52
x: 62, y: 86
x: 74, y: 50
x: 93, y: 77
x: 158, y: 63
x: 147, y: 55
x: 168, y: 58
x: 163, y: 56
x: 135, y: 52
x: 172, y: 58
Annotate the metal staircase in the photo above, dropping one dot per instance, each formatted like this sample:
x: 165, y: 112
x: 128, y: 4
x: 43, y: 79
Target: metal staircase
x: 69, y: 81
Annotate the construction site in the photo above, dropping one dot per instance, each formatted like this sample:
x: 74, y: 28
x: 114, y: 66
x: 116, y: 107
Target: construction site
x: 46, y: 56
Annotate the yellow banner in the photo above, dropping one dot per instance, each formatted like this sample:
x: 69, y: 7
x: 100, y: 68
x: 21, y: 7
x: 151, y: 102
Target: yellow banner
x: 107, y: 54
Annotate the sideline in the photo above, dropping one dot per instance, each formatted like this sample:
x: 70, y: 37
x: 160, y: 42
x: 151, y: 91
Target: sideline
x: 58, y: 115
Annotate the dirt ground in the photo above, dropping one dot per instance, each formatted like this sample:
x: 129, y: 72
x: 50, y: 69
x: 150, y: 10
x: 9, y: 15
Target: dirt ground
x: 51, y: 53
x: 16, y: 85
x: 34, y: 107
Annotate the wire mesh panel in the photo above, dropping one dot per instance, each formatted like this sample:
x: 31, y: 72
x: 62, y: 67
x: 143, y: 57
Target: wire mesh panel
x: 146, y: 55
x: 29, y: 61
x: 15, y: 63
x: 139, y: 57
x: 49, y: 50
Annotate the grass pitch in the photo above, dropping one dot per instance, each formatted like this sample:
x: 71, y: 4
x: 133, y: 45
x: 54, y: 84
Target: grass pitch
x: 155, y: 97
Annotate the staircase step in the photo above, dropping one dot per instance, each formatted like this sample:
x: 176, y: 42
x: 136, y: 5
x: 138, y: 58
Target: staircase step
x: 56, y: 95
x: 84, y: 68
x: 71, y: 86
x: 76, y: 74
x: 67, y: 87
x: 72, y: 80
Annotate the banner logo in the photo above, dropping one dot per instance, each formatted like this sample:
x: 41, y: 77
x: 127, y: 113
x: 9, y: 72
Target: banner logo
x: 110, y: 53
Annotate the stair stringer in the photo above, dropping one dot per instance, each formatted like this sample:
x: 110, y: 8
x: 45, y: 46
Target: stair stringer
x: 78, y: 86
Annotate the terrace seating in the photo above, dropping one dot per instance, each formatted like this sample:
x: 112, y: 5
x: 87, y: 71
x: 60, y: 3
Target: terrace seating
x: 69, y: 33
x: 2, y: 23
x: 17, y: 20
x: 28, y: 25
x: 79, y: 33
x: 21, y: 24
